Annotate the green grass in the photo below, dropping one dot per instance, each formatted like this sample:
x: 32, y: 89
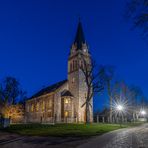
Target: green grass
x: 62, y: 129
x: 85, y: 130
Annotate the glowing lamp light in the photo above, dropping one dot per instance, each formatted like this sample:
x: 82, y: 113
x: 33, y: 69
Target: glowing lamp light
x: 143, y: 112
x: 120, y: 107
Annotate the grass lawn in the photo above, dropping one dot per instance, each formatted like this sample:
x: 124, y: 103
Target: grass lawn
x: 63, y: 129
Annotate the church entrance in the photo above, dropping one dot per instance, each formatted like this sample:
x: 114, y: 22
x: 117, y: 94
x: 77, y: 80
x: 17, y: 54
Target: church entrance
x: 66, y: 109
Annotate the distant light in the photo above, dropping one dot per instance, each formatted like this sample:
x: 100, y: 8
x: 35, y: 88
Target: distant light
x: 143, y: 112
x: 120, y: 108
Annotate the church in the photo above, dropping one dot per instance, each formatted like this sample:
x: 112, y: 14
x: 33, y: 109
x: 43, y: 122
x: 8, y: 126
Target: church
x: 62, y: 102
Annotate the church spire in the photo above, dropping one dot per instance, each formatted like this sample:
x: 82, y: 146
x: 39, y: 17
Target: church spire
x: 79, y: 38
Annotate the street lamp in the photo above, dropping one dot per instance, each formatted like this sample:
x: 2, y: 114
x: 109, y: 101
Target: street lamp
x: 120, y: 109
x: 143, y: 112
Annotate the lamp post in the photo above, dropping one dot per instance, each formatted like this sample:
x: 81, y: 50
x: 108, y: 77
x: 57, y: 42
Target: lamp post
x: 143, y: 113
x: 120, y: 109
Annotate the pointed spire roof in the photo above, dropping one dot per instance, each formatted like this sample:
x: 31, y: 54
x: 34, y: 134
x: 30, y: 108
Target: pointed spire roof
x: 79, y: 38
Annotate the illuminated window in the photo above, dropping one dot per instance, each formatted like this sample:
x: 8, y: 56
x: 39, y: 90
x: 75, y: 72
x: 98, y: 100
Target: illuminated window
x: 66, y: 114
x: 50, y: 103
x: 66, y: 101
x: 32, y: 107
x: 37, y: 107
x: 43, y: 106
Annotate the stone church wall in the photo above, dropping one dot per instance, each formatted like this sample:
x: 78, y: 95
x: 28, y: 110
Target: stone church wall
x: 57, y: 102
x: 40, y: 109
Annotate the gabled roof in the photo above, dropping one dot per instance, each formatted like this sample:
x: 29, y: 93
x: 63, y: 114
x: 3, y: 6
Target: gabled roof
x: 49, y: 89
x: 66, y: 93
x: 79, y: 38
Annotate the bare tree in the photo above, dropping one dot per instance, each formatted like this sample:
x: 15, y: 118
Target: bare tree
x: 10, y: 93
x: 108, y: 75
x: 136, y: 93
x: 136, y: 98
x: 94, y: 82
x: 120, y: 94
x: 137, y: 12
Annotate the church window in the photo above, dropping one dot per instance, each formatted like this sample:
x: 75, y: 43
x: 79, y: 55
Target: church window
x: 73, y: 65
x: 66, y: 101
x: 73, y: 80
x: 43, y: 105
x: 49, y: 114
x: 37, y: 107
x: 81, y: 64
x: 66, y: 114
x: 49, y: 104
x: 70, y: 67
x: 32, y: 107
x: 76, y: 64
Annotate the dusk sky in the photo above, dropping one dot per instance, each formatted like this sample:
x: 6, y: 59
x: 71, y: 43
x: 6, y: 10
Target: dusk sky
x: 36, y: 35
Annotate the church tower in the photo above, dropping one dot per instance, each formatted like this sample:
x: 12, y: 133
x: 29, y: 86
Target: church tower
x: 76, y: 79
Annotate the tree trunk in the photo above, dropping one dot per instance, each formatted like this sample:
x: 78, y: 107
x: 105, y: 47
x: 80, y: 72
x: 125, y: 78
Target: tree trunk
x: 110, y: 100
x: 5, y: 111
x: 87, y: 113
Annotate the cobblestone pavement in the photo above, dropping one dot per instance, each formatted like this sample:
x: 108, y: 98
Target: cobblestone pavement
x: 136, y: 137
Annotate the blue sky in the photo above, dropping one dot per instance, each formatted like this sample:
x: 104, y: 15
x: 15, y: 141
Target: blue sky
x: 36, y: 35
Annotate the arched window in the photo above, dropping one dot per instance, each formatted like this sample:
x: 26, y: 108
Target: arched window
x: 28, y: 108
x: 81, y: 64
x: 43, y: 106
x: 32, y: 107
x: 76, y: 64
x: 70, y: 67
x: 50, y: 103
x: 37, y: 106
x: 73, y: 65
x: 66, y: 114
x: 66, y: 101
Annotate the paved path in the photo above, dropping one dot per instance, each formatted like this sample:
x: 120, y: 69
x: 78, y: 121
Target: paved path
x: 9, y: 140
x: 136, y: 137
